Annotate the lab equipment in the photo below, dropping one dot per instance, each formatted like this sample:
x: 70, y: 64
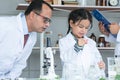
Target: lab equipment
x: 51, y: 71
x: 111, y: 68
x: 48, y: 39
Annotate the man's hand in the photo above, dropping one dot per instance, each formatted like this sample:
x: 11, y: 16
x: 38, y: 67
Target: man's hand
x: 114, y: 28
x: 102, y: 29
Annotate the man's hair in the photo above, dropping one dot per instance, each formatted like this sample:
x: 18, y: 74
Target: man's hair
x: 36, y: 5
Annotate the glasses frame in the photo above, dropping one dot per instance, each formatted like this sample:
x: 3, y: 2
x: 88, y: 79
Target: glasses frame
x: 46, y: 19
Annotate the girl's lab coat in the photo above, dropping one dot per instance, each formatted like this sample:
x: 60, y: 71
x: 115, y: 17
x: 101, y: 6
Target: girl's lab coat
x: 76, y: 65
x: 13, y: 55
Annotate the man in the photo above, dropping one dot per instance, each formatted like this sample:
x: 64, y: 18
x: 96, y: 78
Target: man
x: 14, y: 52
x: 114, y: 29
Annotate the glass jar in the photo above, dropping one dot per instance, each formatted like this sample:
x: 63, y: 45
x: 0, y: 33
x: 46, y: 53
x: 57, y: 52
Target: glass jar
x: 82, y: 2
x: 57, y: 42
x: 101, y: 2
x: 48, y: 39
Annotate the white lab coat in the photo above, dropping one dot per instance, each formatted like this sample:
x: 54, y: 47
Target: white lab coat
x: 13, y: 55
x: 77, y: 63
x: 110, y: 38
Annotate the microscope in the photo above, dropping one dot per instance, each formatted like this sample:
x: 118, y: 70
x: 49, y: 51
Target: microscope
x: 49, y: 65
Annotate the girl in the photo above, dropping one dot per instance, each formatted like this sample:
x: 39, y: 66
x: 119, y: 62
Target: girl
x: 79, y: 53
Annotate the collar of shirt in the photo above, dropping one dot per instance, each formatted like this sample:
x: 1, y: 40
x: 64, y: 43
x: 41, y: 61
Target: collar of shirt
x: 24, y: 24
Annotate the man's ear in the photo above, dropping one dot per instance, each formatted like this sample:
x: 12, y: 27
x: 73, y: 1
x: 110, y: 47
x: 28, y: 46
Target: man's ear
x: 32, y: 15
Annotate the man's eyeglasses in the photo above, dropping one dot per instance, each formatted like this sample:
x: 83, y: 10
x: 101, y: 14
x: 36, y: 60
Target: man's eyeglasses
x: 46, y: 20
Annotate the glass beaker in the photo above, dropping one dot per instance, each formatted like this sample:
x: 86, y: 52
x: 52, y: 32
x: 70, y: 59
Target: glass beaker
x: 111, y: 68
x: 117, y: 65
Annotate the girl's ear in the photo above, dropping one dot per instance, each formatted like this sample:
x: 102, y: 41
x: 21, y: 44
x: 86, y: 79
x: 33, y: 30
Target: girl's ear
x: 71, y: 23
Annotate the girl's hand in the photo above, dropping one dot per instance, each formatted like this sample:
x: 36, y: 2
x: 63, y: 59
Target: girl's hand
x: 101, y: 65
x: 82, y: 41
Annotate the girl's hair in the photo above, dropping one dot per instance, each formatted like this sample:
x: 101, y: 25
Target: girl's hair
x: 36, y: 5
x: 78, y: 15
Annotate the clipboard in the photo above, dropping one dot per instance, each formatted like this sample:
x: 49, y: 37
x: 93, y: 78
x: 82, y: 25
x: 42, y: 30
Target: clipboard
x: 102, y: 19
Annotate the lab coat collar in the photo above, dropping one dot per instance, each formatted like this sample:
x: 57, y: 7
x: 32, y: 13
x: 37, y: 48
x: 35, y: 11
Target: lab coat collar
x: 24, y: 23
x: 71, y: 39
x: 20, y: 28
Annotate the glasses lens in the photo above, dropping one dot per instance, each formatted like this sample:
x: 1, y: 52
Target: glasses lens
x: 47, y: 20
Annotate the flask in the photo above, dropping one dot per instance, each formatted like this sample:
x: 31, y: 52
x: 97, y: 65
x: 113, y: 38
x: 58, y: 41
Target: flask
x: 92, y: 73
x: 59, y: 37
x: 95, y: 73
